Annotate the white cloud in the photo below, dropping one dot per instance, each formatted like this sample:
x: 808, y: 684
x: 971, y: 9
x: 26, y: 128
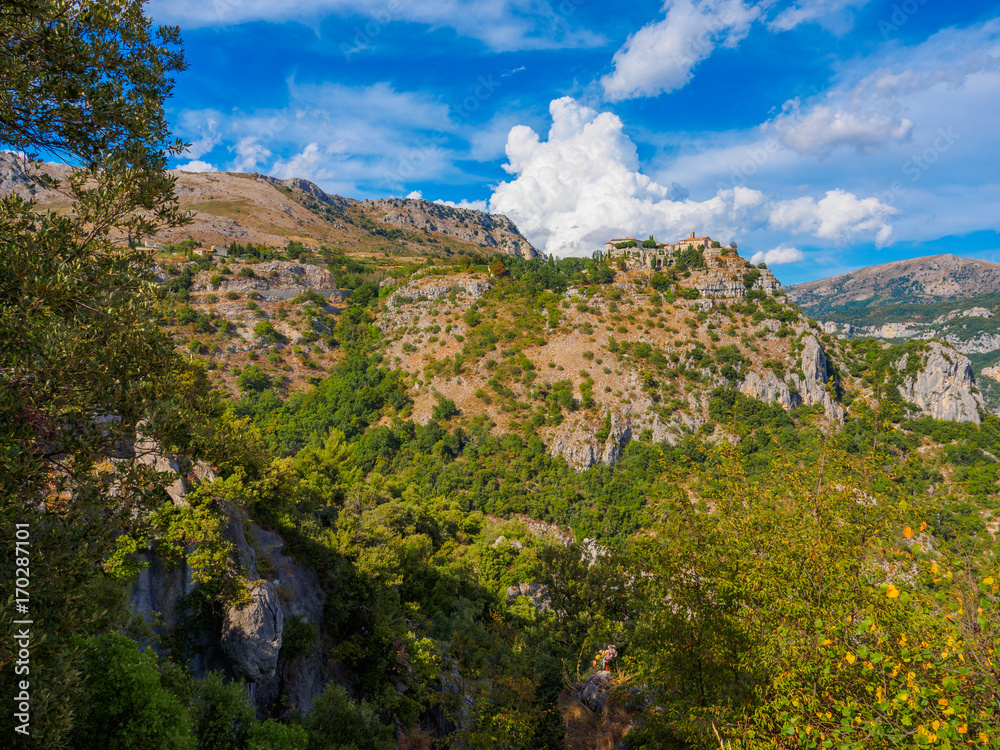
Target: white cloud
x: 583, y: 185
x: 660, y: 56
x: 203, y: 127
x: 823, y: 128
x: 834, y: 14
x: 778, y: 256
x: 197, y: 166
x: 415, y: 195
x: 839, y: 216
x: 356, y: 147
x: 311, y: 163
x: 474, y: 205
x: 502, y: 25
x: 249, y: 155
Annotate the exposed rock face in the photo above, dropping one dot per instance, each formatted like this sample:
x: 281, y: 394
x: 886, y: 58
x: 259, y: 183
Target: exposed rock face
x: 281, y: 280
x: 943, y: 387
x: 298, y: 682
x: 536, y: 593
x: 812, y: 387
x: 767, y: 387
x: 793, y: 390
x: 159, y: 588
x: 582, y: 450
x: 433, y: 289
x: 594, y: 692
x: 493, y: 231
x: 251, y: 634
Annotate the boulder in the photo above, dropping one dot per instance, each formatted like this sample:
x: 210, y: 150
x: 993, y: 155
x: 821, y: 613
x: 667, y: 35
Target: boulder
x: 251, y: 633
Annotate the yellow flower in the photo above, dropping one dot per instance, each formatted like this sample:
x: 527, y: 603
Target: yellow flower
x: 988, y: 581
x: 892, y: 592
x: 908, y: 532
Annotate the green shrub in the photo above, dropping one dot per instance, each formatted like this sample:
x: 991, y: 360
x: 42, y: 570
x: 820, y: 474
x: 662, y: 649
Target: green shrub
x: 222, y: 715
x: 339, y: 723
x: 124, y: 704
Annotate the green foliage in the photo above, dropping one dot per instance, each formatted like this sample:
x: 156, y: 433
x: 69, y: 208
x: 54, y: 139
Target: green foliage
x: 253, y: 380
x: 298, y: 638
x: 221, y: 714
x: 271, y: 735
x: 339, y: 723
x: 121, y: 701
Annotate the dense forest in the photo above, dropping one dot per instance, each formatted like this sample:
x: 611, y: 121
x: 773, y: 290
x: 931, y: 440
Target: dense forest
x: 795, y: 586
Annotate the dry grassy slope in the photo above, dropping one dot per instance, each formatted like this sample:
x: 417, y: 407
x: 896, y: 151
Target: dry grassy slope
x: 266, y: 297
x: 425, y: 326
x: 254, y: 208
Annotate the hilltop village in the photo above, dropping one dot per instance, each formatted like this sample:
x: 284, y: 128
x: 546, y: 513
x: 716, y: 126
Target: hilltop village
x: 716, y: 271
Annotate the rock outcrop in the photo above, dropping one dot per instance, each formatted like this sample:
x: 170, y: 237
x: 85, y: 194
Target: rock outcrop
x: 809, y: 387
x: 536, y: 593
x: 493, y: 231
x: 944, y: 387
x: 278, y: 280
x: 251, y: 633
x: 297, y: 682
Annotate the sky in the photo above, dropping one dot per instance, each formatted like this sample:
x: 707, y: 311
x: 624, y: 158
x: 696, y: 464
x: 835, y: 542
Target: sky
x: 820, y: 135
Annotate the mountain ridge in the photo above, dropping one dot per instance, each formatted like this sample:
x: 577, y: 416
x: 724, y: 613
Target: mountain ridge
x: 253, y: 208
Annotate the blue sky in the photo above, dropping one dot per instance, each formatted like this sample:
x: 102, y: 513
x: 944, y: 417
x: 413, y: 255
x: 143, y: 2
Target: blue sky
x: 821, y: 135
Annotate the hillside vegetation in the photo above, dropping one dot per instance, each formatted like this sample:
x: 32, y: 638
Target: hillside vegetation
x: 316, y: 496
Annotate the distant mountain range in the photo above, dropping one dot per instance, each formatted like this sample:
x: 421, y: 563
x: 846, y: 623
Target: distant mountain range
x: 956, y: 300
x: 934, y: 278
x: 258, y: 209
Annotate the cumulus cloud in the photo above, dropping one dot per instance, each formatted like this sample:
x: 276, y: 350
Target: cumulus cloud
x: 414, y: 195
x: 583, y: 185
x: 660, y: 57
x: 250, y: 153
x: 197, y: 166
x: 203, y: 127
x: 778, y: 255
x: 839, y: 216
x: 474, y: 205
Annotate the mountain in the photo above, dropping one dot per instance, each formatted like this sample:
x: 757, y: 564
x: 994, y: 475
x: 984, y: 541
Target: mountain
x: 594, y: 355
x: 944, y: 297
x: 250, y: 208
x: 934, y: 278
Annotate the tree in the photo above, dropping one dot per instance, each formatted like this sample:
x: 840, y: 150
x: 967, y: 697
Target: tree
x: 82, y: 359
x: 122, y: 702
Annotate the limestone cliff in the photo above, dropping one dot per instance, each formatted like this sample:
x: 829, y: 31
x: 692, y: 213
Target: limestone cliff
x: 944, y: 386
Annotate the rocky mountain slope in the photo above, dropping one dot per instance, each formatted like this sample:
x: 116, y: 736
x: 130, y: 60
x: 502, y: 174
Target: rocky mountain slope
x: 637, y: 363
x: 940, y: 297
x: 598, y: 364
x: 253, y: 208
x: 918, y: 280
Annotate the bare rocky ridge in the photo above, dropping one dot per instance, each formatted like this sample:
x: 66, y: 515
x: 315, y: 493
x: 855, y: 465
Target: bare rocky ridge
x: 492, y: 231
x: 927, y: 279
x: 251, y: 208
x: 941, y: 297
